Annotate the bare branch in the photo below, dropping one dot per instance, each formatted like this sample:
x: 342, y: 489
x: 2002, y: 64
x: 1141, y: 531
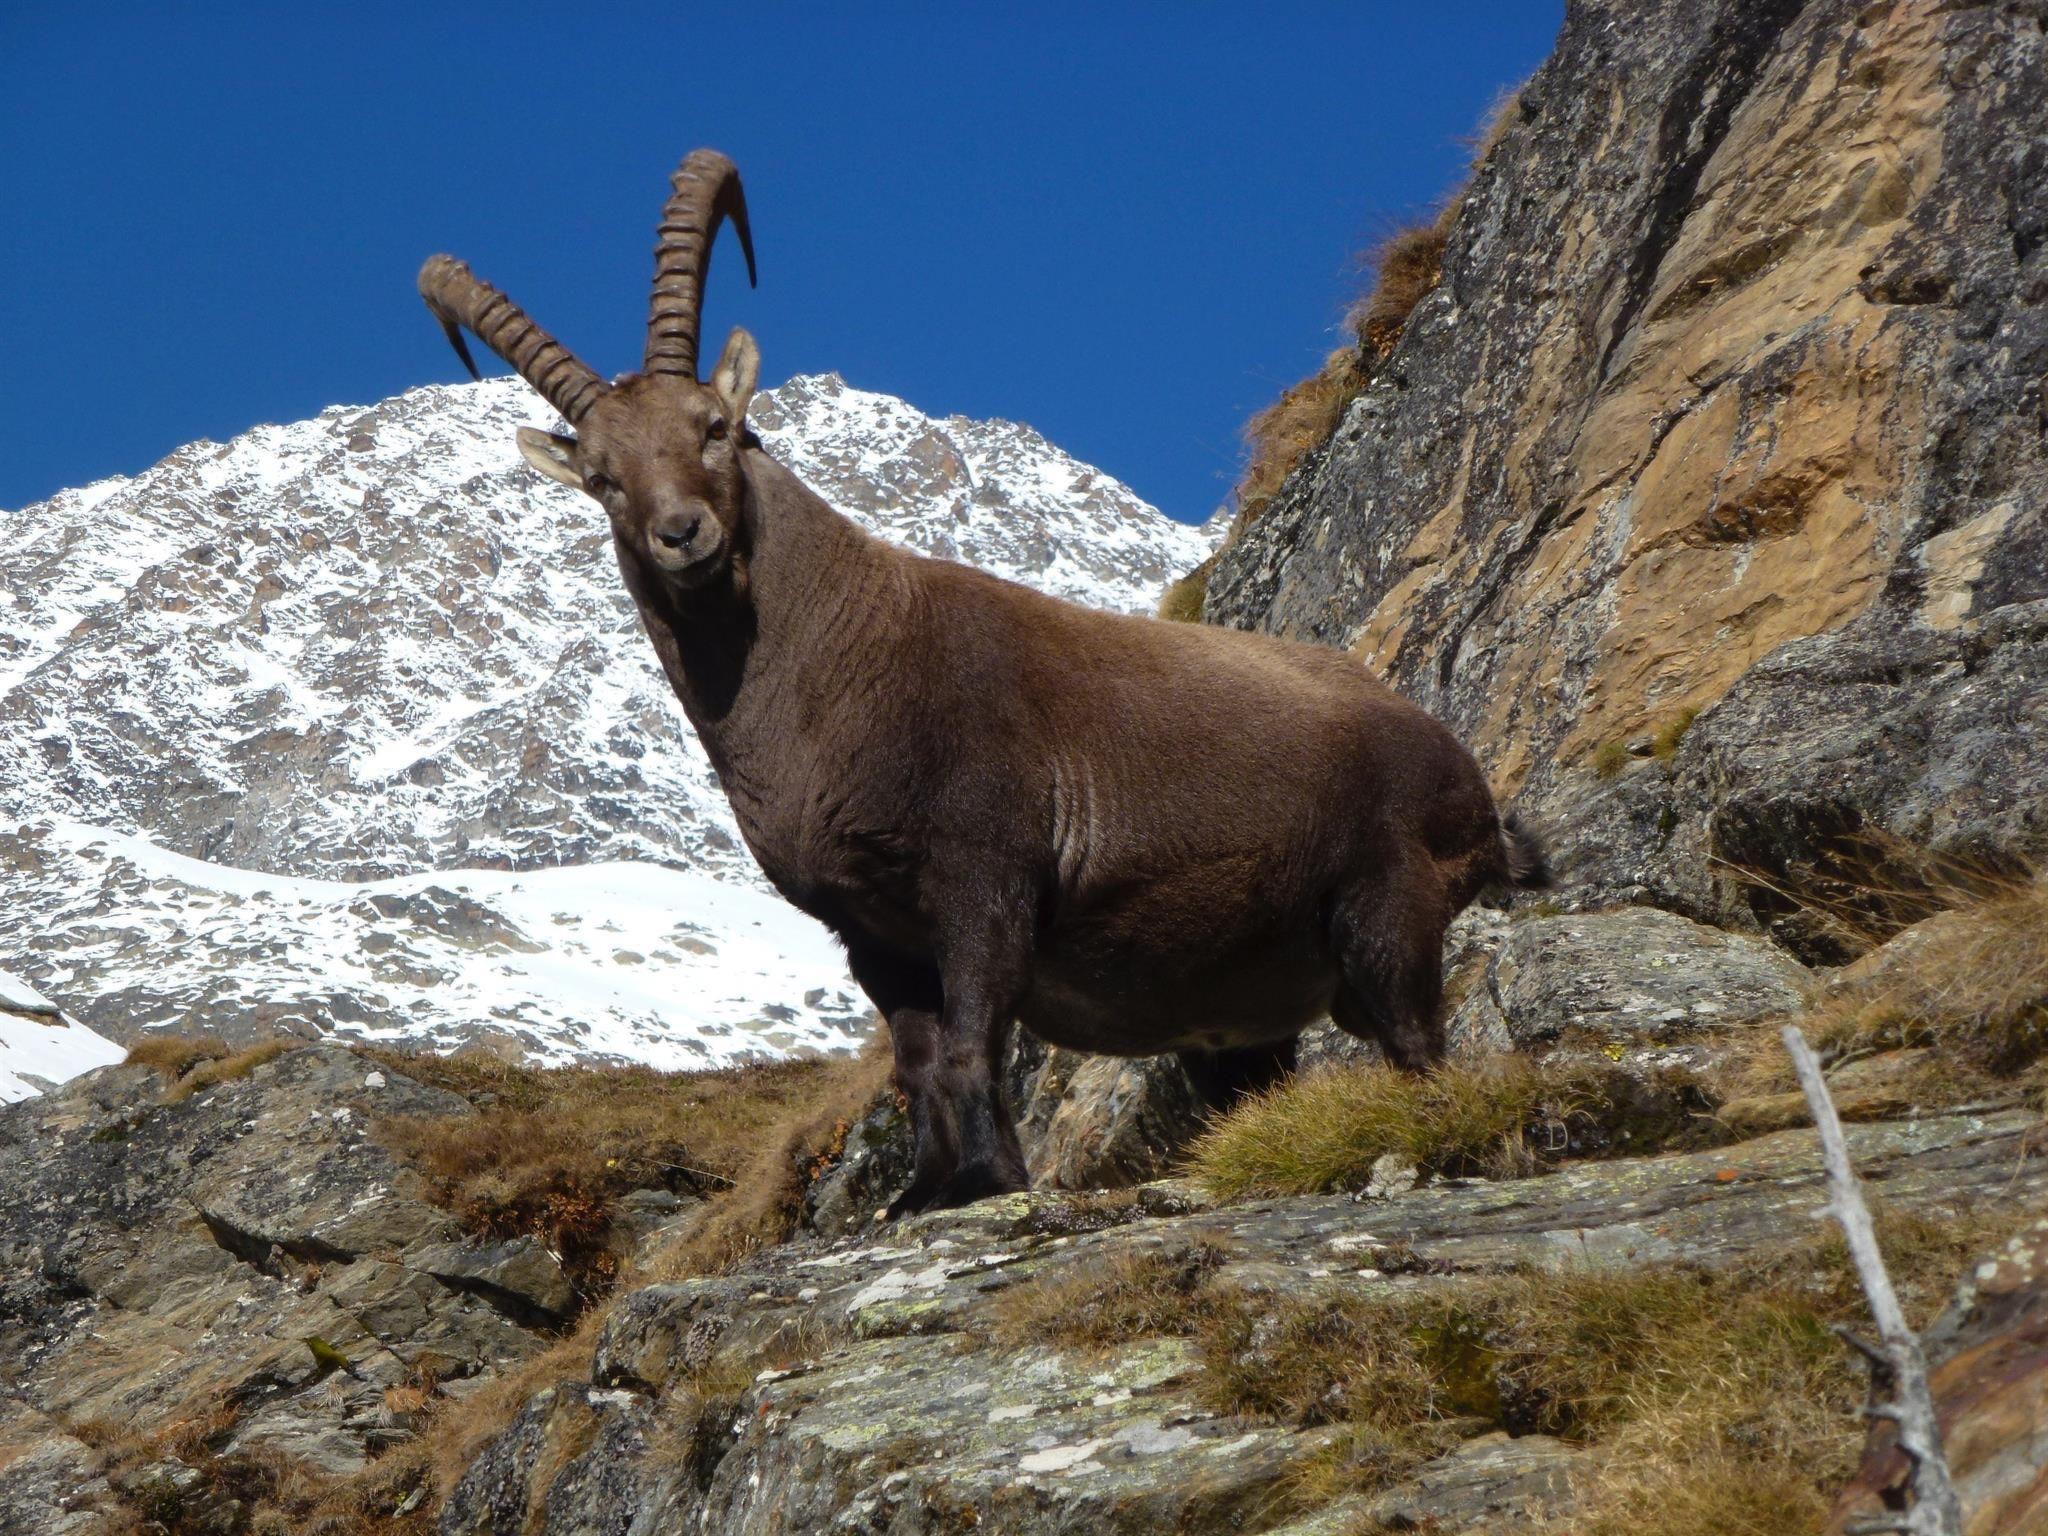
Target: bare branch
x: 1936, y: 1510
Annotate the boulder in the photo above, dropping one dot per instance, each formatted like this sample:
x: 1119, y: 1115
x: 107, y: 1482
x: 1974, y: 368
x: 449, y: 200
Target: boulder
x: 164, y: 1262
x: 1630, y: 980
x: 521, y: 1276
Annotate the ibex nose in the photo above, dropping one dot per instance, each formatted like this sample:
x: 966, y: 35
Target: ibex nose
x: 677, y: 529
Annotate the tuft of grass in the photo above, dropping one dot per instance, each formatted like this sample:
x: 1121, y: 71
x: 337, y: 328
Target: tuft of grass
x: 1962, y: 999
x: 1682, y: 1375
x: 785, y: 1154
x: 1181, y: 603
x: 1971, y: 983
x: 172, y: 1056
x: 1719, y: 1492
x: 1609, y: 758
x: 1664, y: 745
x: 1323, y: 1130
x: 229, y: 1068
x: 1853, y: 891
x: 549, y: 1150
x: 1405, y: 266
x: 1155, y: 1293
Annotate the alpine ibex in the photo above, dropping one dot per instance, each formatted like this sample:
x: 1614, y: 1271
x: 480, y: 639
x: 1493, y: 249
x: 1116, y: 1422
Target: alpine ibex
x: 1133, y: 836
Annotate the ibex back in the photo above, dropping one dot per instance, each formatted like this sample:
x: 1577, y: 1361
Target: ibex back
x: 1134, y: 836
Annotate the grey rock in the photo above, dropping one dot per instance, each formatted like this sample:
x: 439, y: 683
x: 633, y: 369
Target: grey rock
x: 1629, y: 978
x: 520, y: 1275
x: 861, y: 1384
x: 159, y: 1254
x: 1486, y: 1477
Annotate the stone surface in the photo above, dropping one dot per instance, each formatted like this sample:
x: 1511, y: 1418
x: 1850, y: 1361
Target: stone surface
x: 861, y: 1384
x: 161, y: 1261
x: 1632, y: 979
x: 519, y: 1274
x: 1729, y: 400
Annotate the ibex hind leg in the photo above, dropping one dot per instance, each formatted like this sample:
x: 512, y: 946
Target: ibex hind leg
x: 1390, y: 948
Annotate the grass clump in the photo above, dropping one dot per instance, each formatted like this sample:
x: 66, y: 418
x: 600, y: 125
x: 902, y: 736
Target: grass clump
x: 1609, y: 758
x: 1150, y: 1293
x: 1954, y: 1010
x: 1971, y: 983
x: 229, y: 1068
x: 549, y: 1150
x: 1724, y: 1389
x: 172, y: 1056
x: 1404, y: 268
x: 1324, y: 1130
x: 1664, y: 745
x: 1182, y: 601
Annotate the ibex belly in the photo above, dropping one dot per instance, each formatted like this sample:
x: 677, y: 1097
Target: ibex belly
x: 1146, y: 977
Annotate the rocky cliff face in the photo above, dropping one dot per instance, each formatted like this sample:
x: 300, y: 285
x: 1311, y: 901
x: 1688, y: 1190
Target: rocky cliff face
x: 1728, y: 402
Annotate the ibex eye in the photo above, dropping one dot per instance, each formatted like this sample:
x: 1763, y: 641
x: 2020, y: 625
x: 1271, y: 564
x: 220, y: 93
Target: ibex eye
x: 716, y: 430
x: 598, y: 485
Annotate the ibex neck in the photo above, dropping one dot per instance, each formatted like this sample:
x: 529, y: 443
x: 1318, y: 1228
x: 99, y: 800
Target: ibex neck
x: 764, y: 667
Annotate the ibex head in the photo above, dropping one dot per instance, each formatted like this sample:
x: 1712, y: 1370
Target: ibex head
x: 659, y: 451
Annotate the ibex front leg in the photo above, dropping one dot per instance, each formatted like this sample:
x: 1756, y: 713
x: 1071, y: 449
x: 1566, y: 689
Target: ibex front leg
x: 949, y: 1031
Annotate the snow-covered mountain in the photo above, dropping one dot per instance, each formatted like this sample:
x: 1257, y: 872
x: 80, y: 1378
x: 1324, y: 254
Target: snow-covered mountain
x: 346, y: 724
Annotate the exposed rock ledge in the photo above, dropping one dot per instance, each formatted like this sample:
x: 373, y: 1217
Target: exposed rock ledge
x: 894, y: 1408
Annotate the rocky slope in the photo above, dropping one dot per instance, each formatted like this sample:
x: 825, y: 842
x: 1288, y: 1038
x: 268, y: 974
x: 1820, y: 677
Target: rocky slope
x: 346, y: 724
x: 1728, y: 402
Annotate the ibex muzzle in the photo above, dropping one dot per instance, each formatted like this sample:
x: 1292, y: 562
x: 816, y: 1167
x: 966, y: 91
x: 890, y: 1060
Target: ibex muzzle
x: 1136, y: 837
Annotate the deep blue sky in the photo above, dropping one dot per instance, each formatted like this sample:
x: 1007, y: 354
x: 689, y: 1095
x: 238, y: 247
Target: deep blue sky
x: 1129, y: 226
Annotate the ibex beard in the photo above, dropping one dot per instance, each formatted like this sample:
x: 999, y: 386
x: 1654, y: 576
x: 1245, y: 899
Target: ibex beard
x: 1132, y: 837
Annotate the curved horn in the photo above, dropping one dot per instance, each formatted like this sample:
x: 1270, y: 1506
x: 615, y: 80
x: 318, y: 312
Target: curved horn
x: 458, y: 298
x: 706, y: 191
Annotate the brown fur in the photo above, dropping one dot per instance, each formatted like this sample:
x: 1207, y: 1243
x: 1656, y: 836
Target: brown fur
x: 1135, y: 837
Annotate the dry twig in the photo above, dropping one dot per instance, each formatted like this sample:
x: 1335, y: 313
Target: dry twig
x: 1896, y: 1360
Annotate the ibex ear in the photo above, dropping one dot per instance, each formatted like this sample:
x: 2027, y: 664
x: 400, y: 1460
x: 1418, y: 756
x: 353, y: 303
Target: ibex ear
x: 738, y: 370
x: 553, y: 456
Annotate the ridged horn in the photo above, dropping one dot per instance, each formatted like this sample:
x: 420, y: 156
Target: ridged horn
x: 459, y: 299
x: 706, y: 191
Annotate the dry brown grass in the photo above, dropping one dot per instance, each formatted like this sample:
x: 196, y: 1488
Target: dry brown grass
x: 1953, y: 1011
x: 787, y: 1153
x: 1182, y: 601
x: 228, y: 1068
x: 1403, y: 268
x: 1148, y: 1293
x: 549, y: 1151
x: 1664, y: 744
x: 1679, y: 1374
x: 172, y: 1056
x: 1502, y: 1117
x: 1852, y: 892
x: 1609, y: 758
